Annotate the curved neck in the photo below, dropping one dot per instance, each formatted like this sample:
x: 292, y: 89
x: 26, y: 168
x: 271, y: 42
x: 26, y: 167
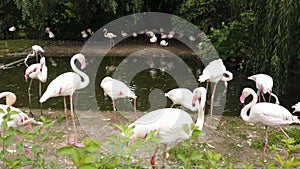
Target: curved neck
x: 105, y: 32
x: 248, y: 106
x: 86, y: 79
x: 229, y: 76
x: 200, y: 118
x: 10, y: 98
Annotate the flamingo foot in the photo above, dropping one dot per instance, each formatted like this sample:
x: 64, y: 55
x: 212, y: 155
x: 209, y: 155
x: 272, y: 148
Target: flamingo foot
x: 152, y: 161
x: 79, y: 145
x: 210, y: 126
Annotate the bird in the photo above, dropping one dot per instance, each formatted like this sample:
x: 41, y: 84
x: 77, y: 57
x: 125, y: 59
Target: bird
x: 168, y: 124
x: 89, y: 30
x: 296, y: 107
x: 184, y: 97
x: 36, y: 51
x: 264, y: 84
x: 65, y: 85
x: 153, y: 39
x: 163, y: 43
x: 110, y: 36
x: 18, y: 118
x: 124, y: 34
x: 269, y: 114
x: 51, y: 35
x: 84, y: 35
x: 36, y: 71
x: 214, y: 72
x: 117, y: 89
x: 13, y: 30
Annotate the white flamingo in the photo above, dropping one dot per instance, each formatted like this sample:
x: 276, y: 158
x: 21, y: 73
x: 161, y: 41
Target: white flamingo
x: 214, y: 72
x: 36, y: 51
x: 184, y: 97
x: 168, y: 123
x: 65, y: 85
x: 269, y: 114
x: 36, y: 71
x: 264, y: 84
x: 110, y: 36
x: 296, y: 107
x: 163, y: 43
x: 116, y: 89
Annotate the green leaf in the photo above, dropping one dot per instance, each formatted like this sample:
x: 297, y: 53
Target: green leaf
x: 182, y: 157
x: 186, y: 128
x: 90, y: 145
x: 2, y: 111
x: 196, y: 155
x: 67, y: 150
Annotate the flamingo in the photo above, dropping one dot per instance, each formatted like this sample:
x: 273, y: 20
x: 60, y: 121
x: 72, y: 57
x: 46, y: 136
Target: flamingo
x: 65, y: 85
x: 13, y: 29
x: 269, y: 114
x: 163, y: 43
x: 116, y: 89
x: 84, y: 35
x: 214, y: 72
x: 110, y: 36
x: 36, y: 51
x: 296, y: 107
x: 17, y: 119
x: 36, y: 71
x: 124, y: 34
x: 168, y: 123
x: 264, y: 84
x: 184, y: 97
x: 153, y: 39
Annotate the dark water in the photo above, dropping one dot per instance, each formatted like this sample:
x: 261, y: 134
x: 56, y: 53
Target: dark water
x: 148, y: 84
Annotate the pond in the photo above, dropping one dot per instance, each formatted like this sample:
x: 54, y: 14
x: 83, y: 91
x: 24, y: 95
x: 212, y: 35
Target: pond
x: 149, y: 84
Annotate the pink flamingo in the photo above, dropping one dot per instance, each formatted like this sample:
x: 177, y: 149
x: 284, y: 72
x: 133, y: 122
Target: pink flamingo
x: 168, y: 123
x: 110, y: 36
x: 36, y: 51
x: 269, y: 114
x: 214, y: 72
x: 17, y: 119
x: 264, y: 84
x: 296, y: 107
x: 65, y: 85
x: 184, y: 97
x: 116, y: 89
x: 36, y: 71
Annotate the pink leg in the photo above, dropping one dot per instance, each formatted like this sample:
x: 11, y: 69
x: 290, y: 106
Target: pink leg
x: 152, y: 161
x: 266, y: 143
x: 40, y: 95
x: 74, y: 125
x: 29, y: 98
x: 165, y: 157
x: 263, y: 96
x: 115, y: 111
x: 134, y: 105
x: 286, y: 135
x: 67, y: 121
x: 211, y: 106
x: 270, y: 96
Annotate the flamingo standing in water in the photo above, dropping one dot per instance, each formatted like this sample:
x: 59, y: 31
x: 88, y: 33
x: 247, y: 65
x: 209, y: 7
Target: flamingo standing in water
x: 36, y: 71
x: 65, y: 85
x: 168, y: 123
x: 116, y: 89
x: 184, y: 97
x: 269, y: 114
x: 264, y: 84
x: 214, y: 72
x: 110, y: 36
x: 36, y: 51
x: 18, y: 119
x: 296, y: 107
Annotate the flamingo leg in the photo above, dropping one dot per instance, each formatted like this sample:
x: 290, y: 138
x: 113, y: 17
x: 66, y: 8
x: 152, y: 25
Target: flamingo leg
x: 286, y: 135
x: 67, y: 120
x: 165, y: 157
x: 134, y: 105
x: 152, y: 161
x: 258, y: 94
x: 40, y: 95
x: 29, y: 98
x: 74, y: 125
x: 115, y: 111
x: 263, y: 96
x: 266, y: 143
x: 212, y: 103
x: 270, y: 96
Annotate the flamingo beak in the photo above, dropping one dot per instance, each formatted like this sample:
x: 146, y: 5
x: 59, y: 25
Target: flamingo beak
x: 83, y: 64
x: 194, y: 100
x: 242, y: 99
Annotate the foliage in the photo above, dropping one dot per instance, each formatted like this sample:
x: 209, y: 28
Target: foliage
x: 123, y: 144
x: 23, y: 154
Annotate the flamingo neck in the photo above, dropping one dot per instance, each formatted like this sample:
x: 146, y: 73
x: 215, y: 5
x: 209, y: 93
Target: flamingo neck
x: 200, y: 118
x: 10, y: 98
x: 229, y: 76
x: 245, y: 109
x: 86, y: 79
x: 105, y: 33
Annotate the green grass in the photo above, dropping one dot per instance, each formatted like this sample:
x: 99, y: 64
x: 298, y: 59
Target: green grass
x: 18, y: 45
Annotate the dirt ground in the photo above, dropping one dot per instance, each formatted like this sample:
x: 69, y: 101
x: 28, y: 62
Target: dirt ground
x: 232, y: 138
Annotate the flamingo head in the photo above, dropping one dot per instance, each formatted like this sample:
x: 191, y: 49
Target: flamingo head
x: 245, y: 94
x: 83, y: 64
x: 198, y: 92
